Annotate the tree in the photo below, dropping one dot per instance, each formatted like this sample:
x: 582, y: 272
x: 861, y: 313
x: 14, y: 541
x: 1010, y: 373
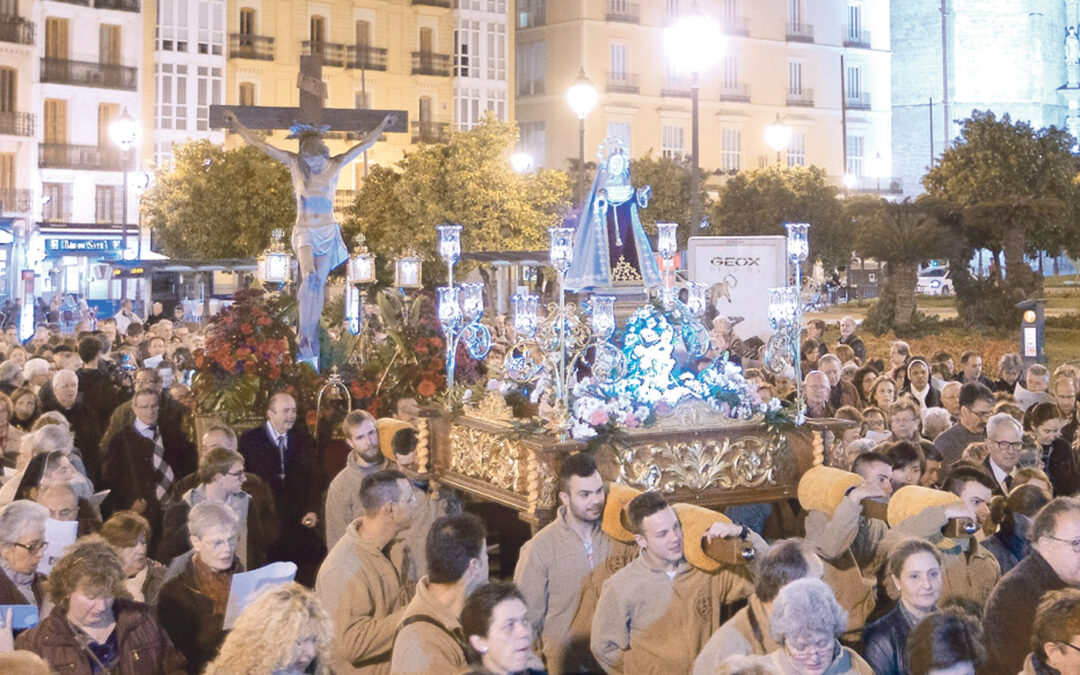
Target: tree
x: 670, y: 202
x: 904, y: 235
x: 468, y: 181
x: 1013, y: 183
x: 760, y: 201
x: 216, y: 203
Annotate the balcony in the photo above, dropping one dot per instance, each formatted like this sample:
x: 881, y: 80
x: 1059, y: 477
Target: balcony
x: 885, y: 185
x: 86, y: 157
x: 84, y: 3
x: 89, y: 74
x: 738, y: 93
x: 857, y: 101
x: 366, y: 58
x: 623, y: 12
x: 429, y: 132
x: 800, y: 32
x: 245, y: 46
x: 429, y: 63
x: 332, y: 53
x: 681, y: 87
x: 16, y: 29
x: 856, y: 36
x: 433, y: 3
x: 18, y: 201
x: 121, y: 5
x: 735, y: 25
x: 623, y: 83
x: 14, y: 123
x: 802, y: 98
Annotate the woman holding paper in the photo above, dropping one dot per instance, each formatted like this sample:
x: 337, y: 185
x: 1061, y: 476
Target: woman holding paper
x: 93, y: 628
x: 192, y: 604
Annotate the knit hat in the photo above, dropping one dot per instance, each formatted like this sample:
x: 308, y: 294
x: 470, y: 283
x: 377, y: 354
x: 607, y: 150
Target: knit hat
x: 911, y: 500
x: 696, y: 521
x: 822, y: 488
x: 614, y: 521
x: 388, y: 428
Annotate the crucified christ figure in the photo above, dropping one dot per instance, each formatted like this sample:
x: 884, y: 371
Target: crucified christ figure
x: 316, y: 236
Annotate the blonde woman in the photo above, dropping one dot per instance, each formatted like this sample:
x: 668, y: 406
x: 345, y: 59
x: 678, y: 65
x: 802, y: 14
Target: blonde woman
x: 285, y: 631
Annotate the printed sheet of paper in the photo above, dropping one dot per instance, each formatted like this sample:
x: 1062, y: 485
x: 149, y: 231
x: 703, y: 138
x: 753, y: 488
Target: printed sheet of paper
x: 59, y: 534
x: 246, y: 586
x: 22, y: 616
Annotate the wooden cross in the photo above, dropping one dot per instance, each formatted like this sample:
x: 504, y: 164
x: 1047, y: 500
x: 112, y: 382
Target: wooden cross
x: 311, y: 111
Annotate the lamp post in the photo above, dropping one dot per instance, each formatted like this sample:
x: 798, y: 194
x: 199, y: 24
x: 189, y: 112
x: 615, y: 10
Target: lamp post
x: 878, y: 167
x: 693, y: 44
x: 361, y: 272
x: 582, y: 98
x: 521, y: 162
x: 124, y: 133
x: 777, y: 135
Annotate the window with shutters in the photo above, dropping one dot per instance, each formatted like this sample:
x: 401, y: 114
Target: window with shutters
x: 107, y: 112
x: 107, y: 205
x: 673, y: 142
x: 246, y: 94
x: 620, y: 131
x: 8, y: 179
x: 110, y: 46
x: 56, y: 198
x: 317, y: 33
x: 211, y: 37
x: 9, y: 7
x: 363, y: 34
x: 173, y: 25
x: 855, y: 156
x: 55, y: 120
x: 247, y: 21
x: 7, y: 89
x: 427, y: 40
x: 731, y: 152
x: 56, y: 38
x: 796, y: 149
x: 208, y: 93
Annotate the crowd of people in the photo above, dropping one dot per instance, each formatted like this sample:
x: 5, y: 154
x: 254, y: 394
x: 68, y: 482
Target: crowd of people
x: 940, y: 534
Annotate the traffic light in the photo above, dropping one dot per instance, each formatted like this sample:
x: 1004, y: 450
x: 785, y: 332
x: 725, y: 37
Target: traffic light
x: 1032, y: 331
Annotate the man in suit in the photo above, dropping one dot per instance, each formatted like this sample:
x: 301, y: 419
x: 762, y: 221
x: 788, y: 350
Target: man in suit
x: 285, y: 458
x: 143, y: 462
x: 171, y: 415
x: 64, y: 398
x: 1004, y: 439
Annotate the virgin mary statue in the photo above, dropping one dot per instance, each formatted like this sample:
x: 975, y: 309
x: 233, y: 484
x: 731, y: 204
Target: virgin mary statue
x: 611, y: 248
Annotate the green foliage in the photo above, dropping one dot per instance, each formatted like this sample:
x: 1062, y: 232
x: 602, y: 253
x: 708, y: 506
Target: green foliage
x: 880, y: 320
x: 760, y: 201
x: 670, y: 201
x: 215, y: 203
x: 468, y: 181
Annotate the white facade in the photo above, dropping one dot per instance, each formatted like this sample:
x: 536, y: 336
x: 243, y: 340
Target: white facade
x: 481, y: 61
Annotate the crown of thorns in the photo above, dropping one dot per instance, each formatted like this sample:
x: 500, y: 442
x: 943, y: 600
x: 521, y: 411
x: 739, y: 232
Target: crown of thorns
x: 299, y: 130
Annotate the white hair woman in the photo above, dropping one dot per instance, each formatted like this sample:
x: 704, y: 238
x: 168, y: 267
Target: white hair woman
x: 806, y: 621
x: 285, y: 631
x: 22, y: 543
x: 48, y: 438
x: 191, y: 605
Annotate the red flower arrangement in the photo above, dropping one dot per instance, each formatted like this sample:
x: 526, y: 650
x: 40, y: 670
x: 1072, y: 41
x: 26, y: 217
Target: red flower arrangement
x: 248, y: 358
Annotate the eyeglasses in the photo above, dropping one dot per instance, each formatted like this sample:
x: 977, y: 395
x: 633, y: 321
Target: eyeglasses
x: 1075, y: 543
x: 235, y: 474
x: 1008, y: 445
x: 808, y: 651
x: 1070, y: 645
x: 984, y: 415
x: 32, y: 548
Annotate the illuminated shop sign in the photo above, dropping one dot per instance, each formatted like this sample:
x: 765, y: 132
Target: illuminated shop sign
x: 72, y: 246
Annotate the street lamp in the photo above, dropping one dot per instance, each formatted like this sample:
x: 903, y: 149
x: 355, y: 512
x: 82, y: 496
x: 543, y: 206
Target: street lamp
x: 694, y: 43
x: 521, y: 162
x: 777, y: 136
x: 582, y: 98
x: 124, y: 133
x: 877, y: 166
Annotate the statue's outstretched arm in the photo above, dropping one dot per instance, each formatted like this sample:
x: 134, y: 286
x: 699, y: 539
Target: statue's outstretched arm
x: 643, y: 196
x: 251, y: 139
x: 369, y: 140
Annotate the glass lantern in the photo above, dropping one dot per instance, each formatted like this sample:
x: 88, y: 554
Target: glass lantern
x: 666, y: 242
x: 449, y: 243
x: 449, y: 308
x: 525, y: 306
x: 696, y: 297
x: 361, y: 267
x: 783, y: 304
x: 603, y: 316
x: 798, y: 243
x: 562, y: 247
x: 407, y: 271
x: 473, y: 303
x: 354, y: 311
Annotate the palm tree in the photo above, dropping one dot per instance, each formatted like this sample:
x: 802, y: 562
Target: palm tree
x: 1015, y: 217
x: 903, y: 235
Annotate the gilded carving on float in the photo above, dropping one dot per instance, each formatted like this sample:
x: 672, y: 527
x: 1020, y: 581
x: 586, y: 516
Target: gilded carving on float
x: 698, y: 465
x: 693, y: 415
x: 489, y: 457
x: 493, y: 408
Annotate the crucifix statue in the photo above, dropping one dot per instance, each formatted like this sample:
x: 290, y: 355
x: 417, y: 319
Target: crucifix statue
x: 316, y: 235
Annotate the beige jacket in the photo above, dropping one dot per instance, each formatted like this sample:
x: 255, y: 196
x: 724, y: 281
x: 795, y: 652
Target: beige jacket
x: 747, y: 633
x: 969, y: 571
x: 832, y: 539
x: 647, y: 622
x: 423, y: 648
x: 365, y: 592
x: 551, y: 573
x: 846, y: 662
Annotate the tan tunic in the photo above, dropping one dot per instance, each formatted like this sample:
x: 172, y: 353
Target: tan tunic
x: 365, y: 592
x: 833, y: 539
x: 551, y: 573
x: 846, y: 662
x: 424, y: 648
x: 647, y: 622
x: 747, y: 633
x: 969, y: 571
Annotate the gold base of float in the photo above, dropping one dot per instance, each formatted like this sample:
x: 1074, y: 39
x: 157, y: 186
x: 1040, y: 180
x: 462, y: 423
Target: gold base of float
x: 694, y: 455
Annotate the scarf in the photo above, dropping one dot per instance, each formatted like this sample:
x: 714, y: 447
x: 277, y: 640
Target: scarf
x: 213, y: 584
x: 22, y: 580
